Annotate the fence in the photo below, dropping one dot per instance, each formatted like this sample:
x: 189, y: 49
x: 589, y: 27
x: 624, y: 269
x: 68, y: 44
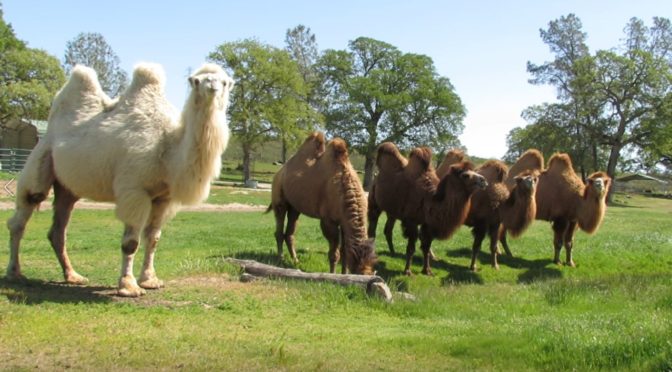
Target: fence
x: 13, y: 160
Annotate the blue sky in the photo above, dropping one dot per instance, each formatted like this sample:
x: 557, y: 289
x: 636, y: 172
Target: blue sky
x: 481, y: 46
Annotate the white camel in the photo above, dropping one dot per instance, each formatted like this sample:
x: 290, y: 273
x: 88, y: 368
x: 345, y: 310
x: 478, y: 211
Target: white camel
x: 135, y: 151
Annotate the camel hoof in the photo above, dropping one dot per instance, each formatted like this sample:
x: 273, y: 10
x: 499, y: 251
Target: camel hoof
x: 76, y: 279
x: 128, y: 287
x: 408, y: 273
x: 495, y: 266
x: 427, y: 272
x: 151, y: 283
x: 473, y: 268
x: 571, y: 264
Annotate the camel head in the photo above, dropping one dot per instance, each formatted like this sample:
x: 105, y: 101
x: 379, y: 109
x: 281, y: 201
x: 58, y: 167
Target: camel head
x: 527, y: 181
x: 597, y: 186
x: 365, y: 259
x: 471, y: 180
x: 211, y: 83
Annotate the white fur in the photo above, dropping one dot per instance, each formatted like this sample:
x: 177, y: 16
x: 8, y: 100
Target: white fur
x: 136, y: 150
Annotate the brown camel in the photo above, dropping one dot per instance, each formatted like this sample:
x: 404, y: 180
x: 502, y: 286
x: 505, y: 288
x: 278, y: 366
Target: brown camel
x: 453, y: 156
x: 496, y: 206
x: 320, y: 182
x: 414, y: 194
x: 563, y: 199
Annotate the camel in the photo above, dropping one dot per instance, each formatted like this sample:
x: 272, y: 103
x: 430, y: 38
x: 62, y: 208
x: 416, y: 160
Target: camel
x: 411, y: 192
x: 563, y: 199
x: 320, y: 182
x: 496, y: 206
x: 134, y: 151
x: 453, y: 156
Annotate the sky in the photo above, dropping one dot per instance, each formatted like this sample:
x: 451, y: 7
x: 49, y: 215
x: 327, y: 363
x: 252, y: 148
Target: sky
x: 482, y: 46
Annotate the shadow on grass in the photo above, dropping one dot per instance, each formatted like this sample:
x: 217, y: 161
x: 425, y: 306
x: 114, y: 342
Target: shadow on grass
x: 534, y: 269
x: 35, y: 292
x: 456, y: 273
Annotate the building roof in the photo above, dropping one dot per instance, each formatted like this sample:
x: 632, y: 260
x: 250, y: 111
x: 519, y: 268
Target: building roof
x: 639, y: 177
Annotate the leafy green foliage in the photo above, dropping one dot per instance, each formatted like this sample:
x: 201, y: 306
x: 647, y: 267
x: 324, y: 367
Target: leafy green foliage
x: 610, y: 101
x: 375, y: 93
x: 29, y: 78
x: 269, y: 95
x: 92, y: 50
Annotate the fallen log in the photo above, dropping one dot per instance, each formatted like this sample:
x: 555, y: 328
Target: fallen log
x: 373, y: 284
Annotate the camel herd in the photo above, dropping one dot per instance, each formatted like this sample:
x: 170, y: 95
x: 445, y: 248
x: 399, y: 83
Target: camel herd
x: 137, y: 151
x: 431, y: 203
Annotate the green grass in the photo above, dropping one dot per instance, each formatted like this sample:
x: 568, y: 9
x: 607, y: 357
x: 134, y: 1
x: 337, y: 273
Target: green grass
x: 612, y: 312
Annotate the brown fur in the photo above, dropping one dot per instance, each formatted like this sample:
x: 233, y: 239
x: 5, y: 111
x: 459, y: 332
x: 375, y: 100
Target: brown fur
x: 321, y: 183
x: 453, y: 156
x: 531, y: 159
x: 415, y: 195
x: 563, y: 199
x: 494, y: 205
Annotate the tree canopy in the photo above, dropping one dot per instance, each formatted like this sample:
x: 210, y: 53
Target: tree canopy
x: 92, y: 50
x: 29, y: 78
x: 611, y: 101
x: 269, y: 95
x: 376, y: 93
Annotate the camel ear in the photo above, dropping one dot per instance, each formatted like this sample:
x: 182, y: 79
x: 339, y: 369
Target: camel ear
x: 194, y: 82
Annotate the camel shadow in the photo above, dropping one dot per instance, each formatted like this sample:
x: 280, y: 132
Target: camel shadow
x: 456, y: 273
x: 535, y: 270
x: 35, y: 292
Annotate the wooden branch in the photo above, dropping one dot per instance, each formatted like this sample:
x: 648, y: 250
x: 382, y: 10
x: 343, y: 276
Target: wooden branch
x: 373, y: 284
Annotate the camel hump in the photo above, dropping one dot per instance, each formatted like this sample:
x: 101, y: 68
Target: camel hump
x: 145, y: 74
x: 339, y: 148
x: 453, y: 156
x: 389, y: 158
x: 420, y: 158
x: 85, y: 79
x: 560, y: 162
x: 531, y: 159
x: 313, y: 145
x: 494, y: 171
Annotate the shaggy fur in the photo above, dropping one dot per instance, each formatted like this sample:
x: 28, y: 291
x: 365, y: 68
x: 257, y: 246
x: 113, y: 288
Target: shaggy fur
x: 496, y: 206
x: 321, y: 183
x: 414, y: 194
x: 563, y: 199
x: 135, y: 151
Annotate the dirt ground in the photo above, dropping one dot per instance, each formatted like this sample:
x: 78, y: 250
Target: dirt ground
x: 8, y: 188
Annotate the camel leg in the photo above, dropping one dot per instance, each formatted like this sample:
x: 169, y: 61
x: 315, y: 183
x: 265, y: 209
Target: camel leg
x: 389, y: 231
x: 332, y: 234
x: 161, y: 212
x: 17, y: 226
x: 411, y: 233
x: 292, y: 219
x: 33, y: 187
x: 426, y: 246
x: 280, y: 212
x: 133, y: 208
x: 64, y: 201
x: 569, y: 242
x: 493, y: 231
x: 373, y: 215
x: 502, y: 239
x: 559, y: 228
x: 344, y: 253
x: 478, y: 231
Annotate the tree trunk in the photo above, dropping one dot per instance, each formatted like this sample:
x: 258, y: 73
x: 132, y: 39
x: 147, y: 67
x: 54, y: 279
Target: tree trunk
x: 373, y: 284
x: 247, y: 157
x: 611, y: 168
x: 368, y: 170
x: 284, y: 150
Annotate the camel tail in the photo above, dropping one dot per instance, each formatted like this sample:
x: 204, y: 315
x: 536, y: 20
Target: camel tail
x: 270, y: 208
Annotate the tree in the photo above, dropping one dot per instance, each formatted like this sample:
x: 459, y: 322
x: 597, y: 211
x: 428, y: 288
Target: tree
x: 29, y: 78
x: 92, y: 50
x: 269, y: 95
x: 612, y: 100
x: 375, y: 93
x: 302, y: 47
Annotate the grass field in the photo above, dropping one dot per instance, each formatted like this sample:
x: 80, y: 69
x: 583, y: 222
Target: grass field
x: 612, y: 312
